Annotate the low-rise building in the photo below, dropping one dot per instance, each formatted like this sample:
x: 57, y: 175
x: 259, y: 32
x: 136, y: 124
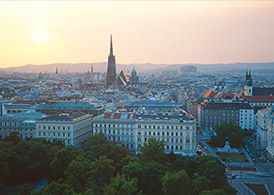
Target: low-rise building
x: 70, y: 128
x: 178, y: 132
x: 24, y: 123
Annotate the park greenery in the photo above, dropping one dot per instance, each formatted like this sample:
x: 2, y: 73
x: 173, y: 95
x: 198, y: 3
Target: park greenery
x: 106, y: 168
x: 228, y: 132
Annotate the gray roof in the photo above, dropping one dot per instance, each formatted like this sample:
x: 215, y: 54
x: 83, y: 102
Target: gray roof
x: 263, y: 91
x: 64, y: 116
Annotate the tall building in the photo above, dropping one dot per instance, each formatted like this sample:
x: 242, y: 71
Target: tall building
x: 111, y: 71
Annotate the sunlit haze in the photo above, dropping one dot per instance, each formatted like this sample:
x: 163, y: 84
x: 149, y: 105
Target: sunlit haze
x: 156, y: 32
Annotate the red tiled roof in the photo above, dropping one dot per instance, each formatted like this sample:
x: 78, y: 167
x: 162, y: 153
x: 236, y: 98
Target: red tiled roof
x: 117, y: 115
x: 107, y: 115
x: 209, y: 93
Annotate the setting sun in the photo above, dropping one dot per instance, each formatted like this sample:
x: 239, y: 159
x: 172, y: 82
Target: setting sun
x: 40, y: 36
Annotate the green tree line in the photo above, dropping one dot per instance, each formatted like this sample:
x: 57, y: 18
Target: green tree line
x: 106, y: 168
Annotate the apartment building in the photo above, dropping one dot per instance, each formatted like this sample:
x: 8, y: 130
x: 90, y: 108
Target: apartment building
x: 178, y: 132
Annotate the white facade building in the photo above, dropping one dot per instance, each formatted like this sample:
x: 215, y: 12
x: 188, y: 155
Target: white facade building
x: 262, y: 127
x: 71, y: 128
x: 178, y: 132
x: 270, y: 135
x: 246, y: 119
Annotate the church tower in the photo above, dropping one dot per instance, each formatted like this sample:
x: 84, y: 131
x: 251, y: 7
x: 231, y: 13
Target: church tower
x: 133, y: 77
x: 248, y: 89
x: 111, y: 70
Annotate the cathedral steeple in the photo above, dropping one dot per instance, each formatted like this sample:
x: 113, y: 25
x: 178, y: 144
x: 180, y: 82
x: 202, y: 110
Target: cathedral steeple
x: 248, y: 78
x: 111, y: 70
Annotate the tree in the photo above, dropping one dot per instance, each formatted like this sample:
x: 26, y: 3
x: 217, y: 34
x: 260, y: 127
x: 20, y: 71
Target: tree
x: 154, y: 172
x: 176, y: 183
x: 172, y: 157
x: 96, y: 141
x: 26, y: 189
x: 121, y: 186
x: 77, y: 173
x: 3, y: 190
x: 200, y: 184
x: 61, y: 161
x: 125, y: 161
x: 190, y: 166
x: 4, y: 168
x: 228, y: 132
x: 134, y: 170
x: 228, y: 189
x: 213, y: 192
x: 113, y: 151
x: 13, y: 137
x: 101, y: 172
x: 55, y: 188
x: 154, y: 150
x: 99, y: 146
x: 213, y: 171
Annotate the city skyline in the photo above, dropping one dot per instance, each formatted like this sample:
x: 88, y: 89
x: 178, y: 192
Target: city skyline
x: 145, y: 32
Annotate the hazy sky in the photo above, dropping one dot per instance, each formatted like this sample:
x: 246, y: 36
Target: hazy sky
x: 41, y: 32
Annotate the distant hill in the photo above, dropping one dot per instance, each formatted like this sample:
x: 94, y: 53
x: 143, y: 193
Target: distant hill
x: 146, y: 67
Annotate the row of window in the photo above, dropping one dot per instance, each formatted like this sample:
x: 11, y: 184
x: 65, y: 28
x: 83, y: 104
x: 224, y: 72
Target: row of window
x: 167, y: 140
x: 144, y: 126
x: 163, y: 127
x: 113, y: 125
x: 6, y: 129
x: 53, y: 134
x: 53, y: 127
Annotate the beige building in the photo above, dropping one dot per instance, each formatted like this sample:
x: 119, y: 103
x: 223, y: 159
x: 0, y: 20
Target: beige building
x: 71, y: 128
x: 178, y: 132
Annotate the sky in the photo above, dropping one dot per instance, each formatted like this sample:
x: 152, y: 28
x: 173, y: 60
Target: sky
x: 163, y: 32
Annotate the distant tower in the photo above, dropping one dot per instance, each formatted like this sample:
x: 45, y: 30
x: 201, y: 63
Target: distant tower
x: 91, y: 69
x: 111, y: 71
x: 248, y: 89
x: 56, y: 71
x: 133, y: 77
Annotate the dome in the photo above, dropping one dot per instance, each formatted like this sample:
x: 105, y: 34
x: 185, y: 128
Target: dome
x: 133, y: 71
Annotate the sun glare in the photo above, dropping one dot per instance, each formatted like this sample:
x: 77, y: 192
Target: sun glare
x: 40, y: 36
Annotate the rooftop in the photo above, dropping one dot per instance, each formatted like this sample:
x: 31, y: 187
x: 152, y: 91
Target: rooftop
x: 65, y: 116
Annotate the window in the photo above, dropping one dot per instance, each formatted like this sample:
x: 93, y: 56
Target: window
x: 187, y: 140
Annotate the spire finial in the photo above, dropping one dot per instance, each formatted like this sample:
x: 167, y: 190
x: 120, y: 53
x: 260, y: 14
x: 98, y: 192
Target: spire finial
x: 111, y: 47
